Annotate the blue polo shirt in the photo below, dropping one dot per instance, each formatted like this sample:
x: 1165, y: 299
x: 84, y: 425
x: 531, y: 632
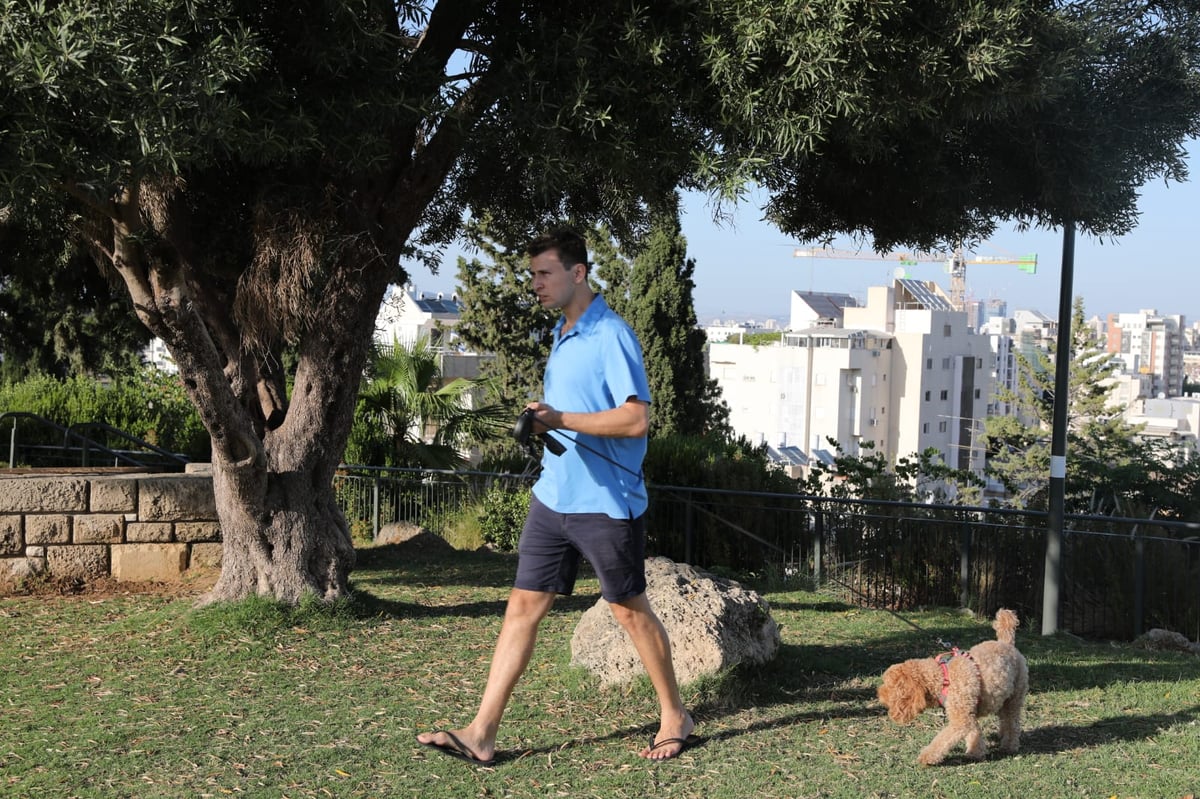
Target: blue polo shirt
x: 596, y: 366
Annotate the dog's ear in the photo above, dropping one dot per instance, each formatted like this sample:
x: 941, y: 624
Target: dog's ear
x: 902, y: 692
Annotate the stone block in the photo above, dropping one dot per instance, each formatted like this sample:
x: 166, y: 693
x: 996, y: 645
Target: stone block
x: 139, y: 563
x: 98, y: 529
x: 197, y: 531
x: 48, y: 528
x: 206, y: 556
x: 43, y: 495
x: 85, y: 562
x: 147, y: 532
x: 112, y: 495
x: 176, y: 498
x: 15, y: 570
x: 35, y: 552
x: 12, y: 541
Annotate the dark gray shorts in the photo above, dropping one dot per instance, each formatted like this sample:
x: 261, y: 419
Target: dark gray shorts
x: 552, y: 543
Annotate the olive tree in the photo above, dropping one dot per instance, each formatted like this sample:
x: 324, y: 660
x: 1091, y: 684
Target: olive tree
x: 257, y: 173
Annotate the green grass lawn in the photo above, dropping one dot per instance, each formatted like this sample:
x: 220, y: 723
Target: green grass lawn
x: 141, y: 695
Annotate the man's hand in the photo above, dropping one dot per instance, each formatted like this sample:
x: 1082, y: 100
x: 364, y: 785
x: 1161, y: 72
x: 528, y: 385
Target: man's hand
x: 629, y: 420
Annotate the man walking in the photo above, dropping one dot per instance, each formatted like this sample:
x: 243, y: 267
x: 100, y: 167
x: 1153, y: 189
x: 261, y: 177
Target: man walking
x: 588, y: 502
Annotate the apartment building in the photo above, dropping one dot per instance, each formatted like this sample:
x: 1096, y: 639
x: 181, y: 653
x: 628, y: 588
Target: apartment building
x: 1150, y: 344
x: 904, y: 371
x: 1174, y: 420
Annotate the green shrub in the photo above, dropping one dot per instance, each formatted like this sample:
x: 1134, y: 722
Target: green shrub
x: 502, y: 516
x: 150, y: 405
x: 463, y: 527
x: 705, y: 526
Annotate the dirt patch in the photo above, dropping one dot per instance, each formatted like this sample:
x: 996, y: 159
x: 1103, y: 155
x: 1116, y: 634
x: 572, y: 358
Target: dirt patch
x: 414, y: 543
x: 103, y: 587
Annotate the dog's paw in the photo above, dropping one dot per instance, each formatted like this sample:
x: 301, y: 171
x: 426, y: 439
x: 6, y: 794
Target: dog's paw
x: 928, y: 757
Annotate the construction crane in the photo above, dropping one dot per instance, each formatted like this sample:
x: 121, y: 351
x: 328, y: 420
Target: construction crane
x: 956, y: 264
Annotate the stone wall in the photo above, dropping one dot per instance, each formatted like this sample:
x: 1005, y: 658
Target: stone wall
x: 134, y: 527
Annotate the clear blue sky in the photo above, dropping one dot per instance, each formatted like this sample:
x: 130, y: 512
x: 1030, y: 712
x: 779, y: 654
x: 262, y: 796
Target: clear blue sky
x: 746, y: 268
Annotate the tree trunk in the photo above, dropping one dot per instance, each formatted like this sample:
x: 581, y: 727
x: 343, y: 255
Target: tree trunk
x: 282, y: 531
x: 284, y: 535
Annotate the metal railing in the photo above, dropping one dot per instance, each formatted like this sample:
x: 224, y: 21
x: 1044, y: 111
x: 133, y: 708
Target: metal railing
x: 80, y: 445
x: 376, y: 496
x: 1120, y: 576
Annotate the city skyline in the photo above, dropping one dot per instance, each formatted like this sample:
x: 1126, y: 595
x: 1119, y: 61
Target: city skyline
x: 745, y: 268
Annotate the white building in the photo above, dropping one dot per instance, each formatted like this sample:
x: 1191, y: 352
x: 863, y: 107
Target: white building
x: 903, y: 372
x: 157, y: 355
x: 818, y: 309
x: 1150, y: 344
x: 1175, y: 420
x: 407, y: 315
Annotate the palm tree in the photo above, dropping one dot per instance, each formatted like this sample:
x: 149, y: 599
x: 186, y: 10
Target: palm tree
x: 406, y: 416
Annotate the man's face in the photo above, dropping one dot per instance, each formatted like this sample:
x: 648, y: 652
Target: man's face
x: 553, y: 284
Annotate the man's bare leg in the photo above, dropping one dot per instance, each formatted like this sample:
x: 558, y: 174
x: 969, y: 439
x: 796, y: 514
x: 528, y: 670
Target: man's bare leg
x: 654, y: 647
x: 514, y: 647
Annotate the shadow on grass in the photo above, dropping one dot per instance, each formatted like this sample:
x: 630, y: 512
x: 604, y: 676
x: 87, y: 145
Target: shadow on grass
x: 400, y: 564
x: 642, y: 734
x: 1065, y: 737
x: 368, y: 605
x: 778, y: 606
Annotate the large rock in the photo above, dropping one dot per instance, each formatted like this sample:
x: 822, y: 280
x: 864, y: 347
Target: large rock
x: 713, y: 624
x: 414, y: 537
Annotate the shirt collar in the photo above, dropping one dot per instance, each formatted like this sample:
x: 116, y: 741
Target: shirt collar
x: 591, y: 315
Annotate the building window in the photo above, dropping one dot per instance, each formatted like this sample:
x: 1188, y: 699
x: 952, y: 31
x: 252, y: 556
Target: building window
x: 976, y: 393
x: 941, y: 427
x: 946, y: 331
x: 979, y: 363
x: 925, y: 427
x: 927, y: 395
x: 945, y: 363
x: 945, y: 394
x: 929, y: 363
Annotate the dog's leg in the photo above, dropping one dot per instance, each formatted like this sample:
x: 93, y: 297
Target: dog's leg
x: 976, y: 745
x: 1010, y: 713
x: 942, y: 743
x: 1010, y: 724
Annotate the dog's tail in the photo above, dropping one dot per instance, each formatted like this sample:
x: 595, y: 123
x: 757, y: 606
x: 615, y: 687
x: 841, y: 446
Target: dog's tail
x: 1006, y: 625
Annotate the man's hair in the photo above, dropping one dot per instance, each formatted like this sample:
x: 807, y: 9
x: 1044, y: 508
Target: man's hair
x: 570, y: 245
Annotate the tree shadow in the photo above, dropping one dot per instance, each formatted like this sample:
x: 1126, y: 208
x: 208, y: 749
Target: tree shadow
x: 405, y: 564
x: 778, y: 606
x: 1114, y: 729
x: 368, y: 605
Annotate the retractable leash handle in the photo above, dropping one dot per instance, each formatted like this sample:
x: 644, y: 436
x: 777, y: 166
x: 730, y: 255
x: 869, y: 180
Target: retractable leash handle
x: 523, y: 430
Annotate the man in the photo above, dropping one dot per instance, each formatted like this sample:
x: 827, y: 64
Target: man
x: 588, y: 501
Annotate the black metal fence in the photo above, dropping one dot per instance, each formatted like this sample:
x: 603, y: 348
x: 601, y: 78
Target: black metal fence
x: 1120, y: 576
x: 372, y: 497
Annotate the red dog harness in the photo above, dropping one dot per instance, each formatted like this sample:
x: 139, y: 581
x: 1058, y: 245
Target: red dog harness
x: 943, y: 660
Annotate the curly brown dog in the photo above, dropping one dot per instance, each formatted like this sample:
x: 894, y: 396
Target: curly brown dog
x: 990, y: 679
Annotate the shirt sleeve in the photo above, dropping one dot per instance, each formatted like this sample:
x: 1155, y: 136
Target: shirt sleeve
x: 624, y: 369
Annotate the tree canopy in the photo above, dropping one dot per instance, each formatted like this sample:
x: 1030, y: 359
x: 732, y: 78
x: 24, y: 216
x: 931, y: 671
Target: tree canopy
x: 256, y: 172
x: 59, y: 315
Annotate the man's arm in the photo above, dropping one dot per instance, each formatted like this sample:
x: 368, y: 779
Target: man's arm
x: 629, y: 420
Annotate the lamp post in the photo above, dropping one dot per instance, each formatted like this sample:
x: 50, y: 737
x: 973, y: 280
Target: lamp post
x: 1052, y: 574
